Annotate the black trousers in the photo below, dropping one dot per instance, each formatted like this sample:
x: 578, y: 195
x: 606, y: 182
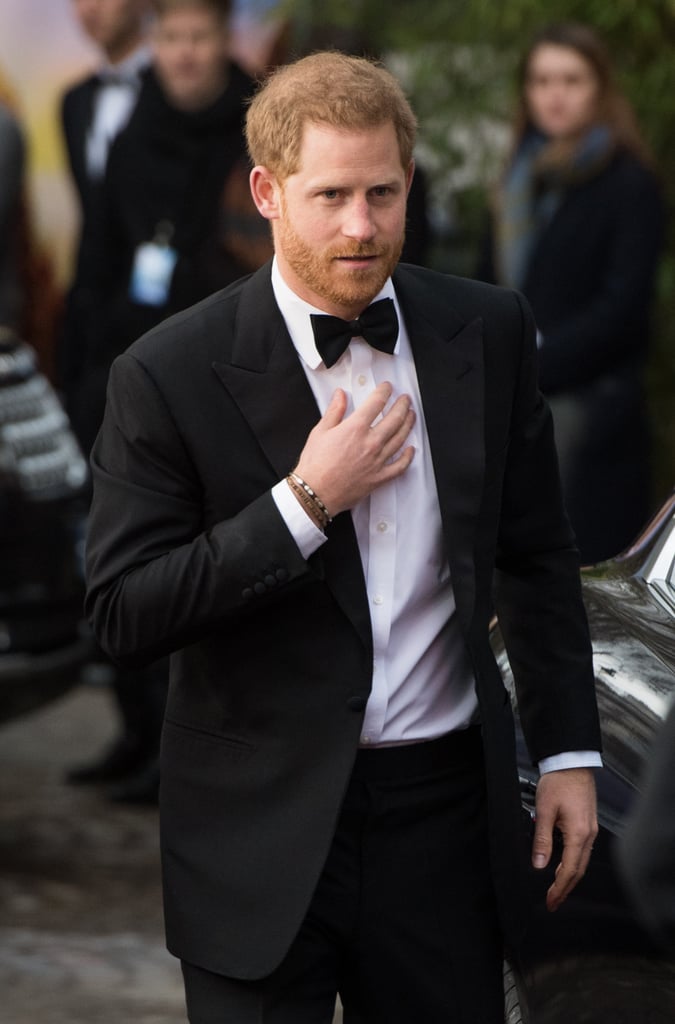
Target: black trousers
x: 403, y: 922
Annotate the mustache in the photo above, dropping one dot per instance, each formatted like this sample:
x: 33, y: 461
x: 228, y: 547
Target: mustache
x: 360, y: 251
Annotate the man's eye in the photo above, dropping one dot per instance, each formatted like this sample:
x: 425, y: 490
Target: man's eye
x: 330, y: 193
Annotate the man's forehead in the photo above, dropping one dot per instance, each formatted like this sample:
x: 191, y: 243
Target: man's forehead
x: 337, y: 142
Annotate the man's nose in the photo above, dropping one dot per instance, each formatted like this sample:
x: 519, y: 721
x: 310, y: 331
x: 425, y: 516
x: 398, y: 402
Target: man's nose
x: 359, y: 221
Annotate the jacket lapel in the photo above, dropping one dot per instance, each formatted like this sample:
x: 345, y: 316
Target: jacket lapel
x: 448, y: 357
x: 265, y: 378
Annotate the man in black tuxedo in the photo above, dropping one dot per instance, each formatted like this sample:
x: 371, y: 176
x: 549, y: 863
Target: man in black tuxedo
x: 309, y: 515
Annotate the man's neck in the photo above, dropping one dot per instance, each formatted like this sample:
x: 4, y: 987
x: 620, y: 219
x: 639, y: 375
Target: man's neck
x: 124, y: 48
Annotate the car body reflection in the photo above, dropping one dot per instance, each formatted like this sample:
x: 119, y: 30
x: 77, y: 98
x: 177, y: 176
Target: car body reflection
x: 592, y: 961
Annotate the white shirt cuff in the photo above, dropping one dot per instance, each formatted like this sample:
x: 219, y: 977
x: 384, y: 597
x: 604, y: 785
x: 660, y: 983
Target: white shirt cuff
x: 305, y: 533
x: 570, y: 759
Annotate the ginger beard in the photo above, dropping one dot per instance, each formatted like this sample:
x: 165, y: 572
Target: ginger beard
x: 324, y: 273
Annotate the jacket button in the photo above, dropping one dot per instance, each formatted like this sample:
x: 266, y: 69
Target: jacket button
x: 270, y: 581
x: 259, y: 588
x: 281, y: 575
x: 247, y: 594
x: 357, y: 703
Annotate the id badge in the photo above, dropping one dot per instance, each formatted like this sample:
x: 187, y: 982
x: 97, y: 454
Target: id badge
x: 151, y: 274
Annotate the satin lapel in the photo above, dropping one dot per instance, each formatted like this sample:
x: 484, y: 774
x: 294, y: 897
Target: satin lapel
x: 264, y: 377
x: 448, y: 357
x: 266, y: 380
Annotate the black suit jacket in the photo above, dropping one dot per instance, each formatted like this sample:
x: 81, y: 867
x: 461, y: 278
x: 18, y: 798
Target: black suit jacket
x: 77, y: 111
x: 271, y: 654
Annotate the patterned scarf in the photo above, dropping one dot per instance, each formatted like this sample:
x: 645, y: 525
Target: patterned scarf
x: 533, y: 187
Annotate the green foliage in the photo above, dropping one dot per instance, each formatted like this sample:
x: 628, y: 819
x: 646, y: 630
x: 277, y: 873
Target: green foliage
x: 457, y: 60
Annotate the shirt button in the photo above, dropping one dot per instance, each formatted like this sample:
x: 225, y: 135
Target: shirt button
x: 382, y: 527
x: 365, y: 739
x: 378, y: 599
x: 362, y: 379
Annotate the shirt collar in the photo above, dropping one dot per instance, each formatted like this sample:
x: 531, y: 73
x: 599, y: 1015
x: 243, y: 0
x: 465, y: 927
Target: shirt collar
x: 296, y: 313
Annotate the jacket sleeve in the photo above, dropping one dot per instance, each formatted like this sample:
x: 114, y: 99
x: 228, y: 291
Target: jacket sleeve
x: 158, y: 577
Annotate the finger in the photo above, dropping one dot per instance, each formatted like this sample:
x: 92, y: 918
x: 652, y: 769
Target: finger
x: 570, y: 870
x: 542, y: 843
x: 394, y: 444
x: 374, y: 404
x: 400, y: 463
x: 394, y: 422
x: 336, y: 410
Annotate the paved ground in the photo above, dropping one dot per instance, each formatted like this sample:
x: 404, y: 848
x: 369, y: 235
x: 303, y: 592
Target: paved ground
x: 81, y: 932
x: 81, y: 936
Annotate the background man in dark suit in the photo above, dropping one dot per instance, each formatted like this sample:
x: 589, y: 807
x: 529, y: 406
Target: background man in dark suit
x: 93, y: 111
x: 312, y: 531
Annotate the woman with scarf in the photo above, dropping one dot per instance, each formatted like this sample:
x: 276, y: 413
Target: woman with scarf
x: 577, y: 225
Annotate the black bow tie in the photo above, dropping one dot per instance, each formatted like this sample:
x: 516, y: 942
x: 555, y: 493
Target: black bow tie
x: 378, y: 324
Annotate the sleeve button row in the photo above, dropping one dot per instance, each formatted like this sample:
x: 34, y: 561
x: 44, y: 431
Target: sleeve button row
x: 269, y: 581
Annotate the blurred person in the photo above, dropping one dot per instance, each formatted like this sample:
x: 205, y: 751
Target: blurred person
x: 577, y: 225
x: 646, y: 849
x: 176, y: 222
x: 93, y: 111
x: 301, y: 495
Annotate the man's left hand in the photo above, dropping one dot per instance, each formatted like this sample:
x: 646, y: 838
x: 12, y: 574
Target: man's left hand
x: 565, y: 800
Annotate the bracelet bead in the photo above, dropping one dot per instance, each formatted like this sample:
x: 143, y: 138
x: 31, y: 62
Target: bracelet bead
x: 313, y: 495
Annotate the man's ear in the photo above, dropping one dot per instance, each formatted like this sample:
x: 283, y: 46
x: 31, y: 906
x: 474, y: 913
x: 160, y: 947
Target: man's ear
x: 265, y: 190
x: 409, y: 176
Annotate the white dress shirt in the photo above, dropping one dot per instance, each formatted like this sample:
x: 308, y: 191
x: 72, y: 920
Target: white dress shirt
x: 114, y: 101
x: 423, y: 684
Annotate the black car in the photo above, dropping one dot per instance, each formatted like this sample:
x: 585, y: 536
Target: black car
x: 592, y: 962
x: 43, y: 482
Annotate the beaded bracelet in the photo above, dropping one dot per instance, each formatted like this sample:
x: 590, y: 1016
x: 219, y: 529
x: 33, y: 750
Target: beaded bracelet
x: 313, y: 495
x: 310, y: 506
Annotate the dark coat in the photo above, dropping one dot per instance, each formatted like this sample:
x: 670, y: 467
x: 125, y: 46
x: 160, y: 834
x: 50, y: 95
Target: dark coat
x: 165, y: 166
x: 272, y: 655
x: 77, y: 111
x: 590, y: 283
